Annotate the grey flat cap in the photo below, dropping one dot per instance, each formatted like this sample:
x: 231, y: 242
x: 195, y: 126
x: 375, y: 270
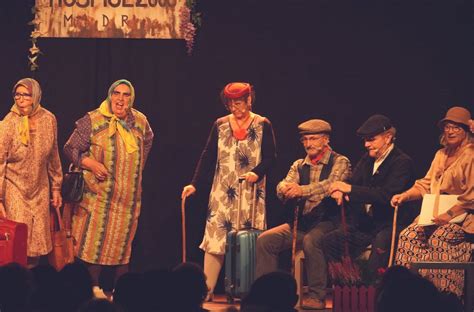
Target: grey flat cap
x: 314, y: 126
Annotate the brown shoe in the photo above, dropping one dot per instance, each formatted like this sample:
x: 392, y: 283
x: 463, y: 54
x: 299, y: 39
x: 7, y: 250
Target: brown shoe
x: 313, y: 304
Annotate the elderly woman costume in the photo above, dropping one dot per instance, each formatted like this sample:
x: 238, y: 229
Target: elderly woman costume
x: 451, y: 173
x: 111, y: 144
x: 30, y: 169
x: 241, y: 144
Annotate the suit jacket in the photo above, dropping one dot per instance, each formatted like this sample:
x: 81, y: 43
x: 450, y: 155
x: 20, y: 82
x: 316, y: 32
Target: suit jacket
x: 395, y: 175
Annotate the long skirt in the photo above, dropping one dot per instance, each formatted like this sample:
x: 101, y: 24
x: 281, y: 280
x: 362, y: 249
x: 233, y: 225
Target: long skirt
x: 438, y: 244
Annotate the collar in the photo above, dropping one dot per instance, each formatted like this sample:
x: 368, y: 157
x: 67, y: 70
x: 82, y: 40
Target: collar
x: 324, y: 159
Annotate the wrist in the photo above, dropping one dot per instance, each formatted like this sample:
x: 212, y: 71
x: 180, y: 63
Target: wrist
x: 405, y: 196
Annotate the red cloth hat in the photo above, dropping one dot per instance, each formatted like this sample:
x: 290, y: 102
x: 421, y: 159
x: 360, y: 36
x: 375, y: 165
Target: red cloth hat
x: 235, y: 90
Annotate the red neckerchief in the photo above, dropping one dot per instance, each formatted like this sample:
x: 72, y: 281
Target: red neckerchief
x: 316, y: 159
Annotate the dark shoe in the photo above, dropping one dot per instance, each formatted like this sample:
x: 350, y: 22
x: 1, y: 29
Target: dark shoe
x: 313, y: 304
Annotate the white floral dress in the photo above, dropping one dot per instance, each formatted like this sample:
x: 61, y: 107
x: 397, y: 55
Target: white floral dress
x: 234, y: 158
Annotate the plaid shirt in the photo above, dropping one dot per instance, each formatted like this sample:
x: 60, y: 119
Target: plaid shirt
x: 316, y: 190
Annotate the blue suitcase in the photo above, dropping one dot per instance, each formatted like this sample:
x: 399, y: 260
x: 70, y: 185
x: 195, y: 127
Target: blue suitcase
x: 240, y: 256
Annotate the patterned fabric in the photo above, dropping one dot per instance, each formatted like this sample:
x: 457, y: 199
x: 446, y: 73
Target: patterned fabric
x: 234, y: 158
x: 28, y: 174
x: 35, y: 91
x: 445, y: 243
x: 105, y: 223
x: 315, y: 192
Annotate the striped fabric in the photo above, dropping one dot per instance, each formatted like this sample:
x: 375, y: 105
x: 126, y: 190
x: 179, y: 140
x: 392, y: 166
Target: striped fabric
x: 105, y: 223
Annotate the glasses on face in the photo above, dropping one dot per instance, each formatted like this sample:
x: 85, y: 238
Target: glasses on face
x: 452, y: 128
x: 238, y: 104
x: 124, y: 94
x: 311, y: 139
x: 18, y: 95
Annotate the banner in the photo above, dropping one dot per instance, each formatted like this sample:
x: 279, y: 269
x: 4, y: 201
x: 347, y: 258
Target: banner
x: 153, y: 19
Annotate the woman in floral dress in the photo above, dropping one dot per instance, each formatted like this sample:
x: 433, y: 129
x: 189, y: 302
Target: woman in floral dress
x: 241, y: 144
x: 30, y: 169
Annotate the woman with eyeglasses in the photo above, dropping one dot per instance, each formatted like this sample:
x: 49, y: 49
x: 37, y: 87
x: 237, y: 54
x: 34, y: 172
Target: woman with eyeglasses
x: 451, y: 173
x: 241, y: 144
x: 111, y: 145
x: 30, y: 169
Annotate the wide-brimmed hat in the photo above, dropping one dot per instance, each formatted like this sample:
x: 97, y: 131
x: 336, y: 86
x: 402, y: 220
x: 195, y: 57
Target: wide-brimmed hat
x: 458, y: 115
x: 376, y: 124
x: 314, y: 126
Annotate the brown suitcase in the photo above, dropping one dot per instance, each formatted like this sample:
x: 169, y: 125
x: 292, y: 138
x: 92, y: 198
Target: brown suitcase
x: 13, y: 242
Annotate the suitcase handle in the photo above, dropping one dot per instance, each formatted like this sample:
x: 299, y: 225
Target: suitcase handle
x: 239, y: 204
x: 5, y: 236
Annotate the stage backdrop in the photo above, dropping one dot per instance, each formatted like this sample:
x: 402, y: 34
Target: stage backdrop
x: 337, y: 60
x: 154, y: 19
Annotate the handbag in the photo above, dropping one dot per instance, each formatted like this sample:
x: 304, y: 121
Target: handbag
x: 63, y: 244
x: 73, y: 185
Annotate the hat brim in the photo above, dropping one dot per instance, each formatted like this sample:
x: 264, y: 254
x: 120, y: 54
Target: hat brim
x: 458, y: 122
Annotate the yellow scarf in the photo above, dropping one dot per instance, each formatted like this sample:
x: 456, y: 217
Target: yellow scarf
x: 116, y: 125
x: 24, y: 125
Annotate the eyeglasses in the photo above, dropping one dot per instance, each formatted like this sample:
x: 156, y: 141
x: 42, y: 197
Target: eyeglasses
x: 236, y: 104
x: 311, y: 139
x: 452, y: 128
x: 18, y: 95
x: 117, y: 94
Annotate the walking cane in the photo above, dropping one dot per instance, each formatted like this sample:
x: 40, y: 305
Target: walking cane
x: 183, y: 228
x: 394, y: 233
x: 293, y: 241
x: 344, y: 230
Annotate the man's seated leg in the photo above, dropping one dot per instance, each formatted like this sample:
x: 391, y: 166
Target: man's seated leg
x: 380, y: 249
x: 315, y: 265
x: 269, y: 245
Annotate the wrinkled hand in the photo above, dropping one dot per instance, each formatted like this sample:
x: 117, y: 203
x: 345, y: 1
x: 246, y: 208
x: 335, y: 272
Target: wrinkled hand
x: 339, y: 197
x: 250, y: 177
x: 3, y: 212
x: 398, y: 199
x: 341, y: 187
x: 292, y: 190
x: 99, y: 170
x: 56, y: 199
x: 442, y: 219
x: 188, y: 190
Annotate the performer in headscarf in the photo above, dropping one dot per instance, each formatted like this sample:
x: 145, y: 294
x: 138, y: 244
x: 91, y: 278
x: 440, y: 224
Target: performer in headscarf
x: 111, y: 144
x: 30, y: 169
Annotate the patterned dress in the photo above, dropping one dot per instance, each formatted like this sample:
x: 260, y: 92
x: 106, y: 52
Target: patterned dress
x: 28, y: 174
x: 234, y: 158
x: 106, y: 220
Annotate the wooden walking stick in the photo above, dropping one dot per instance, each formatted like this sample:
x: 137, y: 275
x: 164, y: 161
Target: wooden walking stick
x: 394, y: 233
x: 344, y: 229
x: 183, y: 228
x: 293, y: 241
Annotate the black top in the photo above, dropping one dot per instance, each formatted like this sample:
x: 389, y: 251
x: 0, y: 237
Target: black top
x: 395, y: 175
x: 207, y: 163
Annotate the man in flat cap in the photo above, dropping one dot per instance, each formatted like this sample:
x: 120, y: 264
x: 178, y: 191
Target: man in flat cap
x: 383, y: 171
x: 307, y: 185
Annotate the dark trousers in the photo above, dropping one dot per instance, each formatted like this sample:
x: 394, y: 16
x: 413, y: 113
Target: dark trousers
x: 358, y: 241
x: 273, y: 241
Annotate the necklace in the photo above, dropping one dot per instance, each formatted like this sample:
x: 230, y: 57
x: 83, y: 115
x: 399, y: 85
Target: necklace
x: 241, y: 132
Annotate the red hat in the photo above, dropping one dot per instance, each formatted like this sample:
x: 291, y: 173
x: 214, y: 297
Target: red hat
x: 235, y: 90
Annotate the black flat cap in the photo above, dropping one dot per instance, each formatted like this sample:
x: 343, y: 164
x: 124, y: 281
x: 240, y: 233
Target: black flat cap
x: 376, y: 124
